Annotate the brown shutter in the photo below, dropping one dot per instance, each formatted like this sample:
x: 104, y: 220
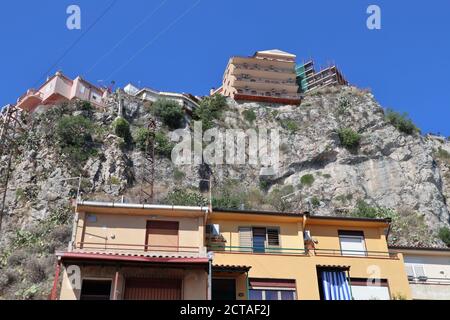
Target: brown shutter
x: 152, y: 289
x: 162, y: 235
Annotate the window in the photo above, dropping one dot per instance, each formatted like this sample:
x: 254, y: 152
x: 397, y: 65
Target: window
x: 415, y: 271
x: 258, y: 239
x: 272, y: 289
x: 96, y: 290
x: 352, y: 243
x: 82, y: 89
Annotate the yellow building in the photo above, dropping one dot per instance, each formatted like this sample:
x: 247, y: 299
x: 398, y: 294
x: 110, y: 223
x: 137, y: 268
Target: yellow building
x: 273, y: 255
x: 136, y: 251
x: 267, y: 76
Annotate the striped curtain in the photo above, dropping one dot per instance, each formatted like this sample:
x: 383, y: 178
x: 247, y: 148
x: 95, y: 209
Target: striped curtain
x: 335, y: 285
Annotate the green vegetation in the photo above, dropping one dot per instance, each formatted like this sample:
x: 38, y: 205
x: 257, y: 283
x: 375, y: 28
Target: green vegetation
x: 264, y: 185
x: 315, y: 201
x: 141, y: 136
x: 84, y: 106
x: 307, y: 180
x: 122, y: 129
x: 444, y: 235
x: 74, y: 137
x: 249, y: 115
x: 277, y: 200
x: 289, y: 125
x: 364, y: 210
x: 178, y: 175
x: 114, y: 181
x: 181, y: 197
x: 443, y: 155
x: 30, y: 257
x: 401, y: 121
x: 349, y: 138
x: 210, y: 109
x: 327, y: 176
x: 230, y: 195
x: 163, y: 146
x: 170, y: 112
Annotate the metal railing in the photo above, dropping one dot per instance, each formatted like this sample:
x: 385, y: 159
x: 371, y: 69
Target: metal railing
x: 121, y: 247
x: 355, y: 253
x: 427, y: 280
x: 256, y: 250
x: 267, y: 69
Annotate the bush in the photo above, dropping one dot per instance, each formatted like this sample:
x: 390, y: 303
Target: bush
x: 210, y: 108
x: 141, y: 136
x: 349, y: 138
x: 249, y: 115
x: 230, y: 195
x: 84, y: 106
x: 289, y: 125
x: 170, y: 112
x: 74, y: 136
x: 401, y: 121
x: 307, y: 180
x: 444, y: 235
x: 315, y: 202
x: 163, y: 146
x: 122, y: 129
x: 180, y: 197
x: 443, y: 155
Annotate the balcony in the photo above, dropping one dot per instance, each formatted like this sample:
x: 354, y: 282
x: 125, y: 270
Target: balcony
x: 30, y: 100
x: 265, y: 69
x: 140, y: 249
x: 355, y: 253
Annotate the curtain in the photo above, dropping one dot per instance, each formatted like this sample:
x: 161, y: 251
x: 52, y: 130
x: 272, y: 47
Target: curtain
x: 335, y: 285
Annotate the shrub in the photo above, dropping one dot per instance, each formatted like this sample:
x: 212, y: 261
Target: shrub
x: 249, y: 115
x: 210, y: 108
x: 74, y: 137
x: 141, y: 136
x: 163, y: 146
x: 122, y: 129
x: 315, y: 202
x: 178, y: 175
x: 444, y: 235
x: 444, y: 155
x: 307, y: 180
x: 170, y: 112
x: 401, y: 121
x: 230, y: 195
x: 84, y: 106
x: 289, y: 125
x: 180, y: 197
x: 349, y: 138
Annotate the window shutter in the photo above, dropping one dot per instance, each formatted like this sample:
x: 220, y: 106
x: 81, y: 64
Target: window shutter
x: 409, y: 271
x: 245, y: 239
x: 420, y: 272
x: 273, y: 237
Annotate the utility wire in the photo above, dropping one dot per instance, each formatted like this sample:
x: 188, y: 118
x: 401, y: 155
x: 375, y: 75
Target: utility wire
x: 153, y: 39
x: 133, y: 30
x: 113, y: 2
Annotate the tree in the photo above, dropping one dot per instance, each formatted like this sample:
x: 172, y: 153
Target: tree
x: 170, y: 112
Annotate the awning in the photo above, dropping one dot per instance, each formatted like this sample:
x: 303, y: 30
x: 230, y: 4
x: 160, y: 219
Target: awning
x: 230, y: 268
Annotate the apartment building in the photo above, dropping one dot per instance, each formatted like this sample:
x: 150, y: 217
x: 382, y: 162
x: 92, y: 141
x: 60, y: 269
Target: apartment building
x: 187, y: 101
x: 308, y: 79
x: 267, y: 76
x: 428, y: 271
x: 284, y: 256
x: 135, y: 251
x: 59, y: 88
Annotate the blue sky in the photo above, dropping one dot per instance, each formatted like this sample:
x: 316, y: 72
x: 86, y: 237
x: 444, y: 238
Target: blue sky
x: 185, y: 45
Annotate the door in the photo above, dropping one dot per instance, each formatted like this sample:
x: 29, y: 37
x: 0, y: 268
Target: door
x: 96, y: 290
x: 224, y: 289
x: 162, y: 236
x: 152, y: 289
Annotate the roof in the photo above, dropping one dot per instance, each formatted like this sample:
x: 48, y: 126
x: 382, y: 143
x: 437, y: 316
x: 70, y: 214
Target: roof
x: 276, y: 52
x: 128, y: 257
x: 231, y: 268
x: 420, y: 248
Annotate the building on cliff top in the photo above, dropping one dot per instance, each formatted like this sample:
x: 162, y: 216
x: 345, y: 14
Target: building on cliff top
x: 59, y: 88
x: 267, y: 76
x: 308, y: 79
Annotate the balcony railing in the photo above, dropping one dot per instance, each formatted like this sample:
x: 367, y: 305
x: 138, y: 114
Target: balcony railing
x: 299, y: 251
x: 267, y: 69
x: 355, y: 253
x: 256, y: 250
x: 266, y: 81
x: 427, y: 280
x: 136, y: 248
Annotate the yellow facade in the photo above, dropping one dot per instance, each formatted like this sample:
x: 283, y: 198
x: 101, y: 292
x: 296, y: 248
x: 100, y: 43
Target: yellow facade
x: 295, y: 263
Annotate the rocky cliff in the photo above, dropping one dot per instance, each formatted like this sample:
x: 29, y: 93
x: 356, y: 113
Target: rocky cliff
x: 405, y: 176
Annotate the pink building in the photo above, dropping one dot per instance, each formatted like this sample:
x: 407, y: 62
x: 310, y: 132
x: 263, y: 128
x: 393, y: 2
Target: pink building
x: 60, y: 88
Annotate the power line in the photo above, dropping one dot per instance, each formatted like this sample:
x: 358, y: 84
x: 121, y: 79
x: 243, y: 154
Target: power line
x: 153, y: 39
x: 133, y: 30
x: 113, y: 2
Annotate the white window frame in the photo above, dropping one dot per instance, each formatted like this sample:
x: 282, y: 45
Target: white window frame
x: 278, y: 289
x: 353, y: 253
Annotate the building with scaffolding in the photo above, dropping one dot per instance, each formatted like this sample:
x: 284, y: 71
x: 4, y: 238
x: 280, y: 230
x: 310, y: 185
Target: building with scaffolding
x: 59, y: 88
x: 267, y: 76
x: 308, y: 79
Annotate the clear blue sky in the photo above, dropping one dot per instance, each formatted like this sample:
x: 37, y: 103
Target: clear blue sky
x: 185, y: 45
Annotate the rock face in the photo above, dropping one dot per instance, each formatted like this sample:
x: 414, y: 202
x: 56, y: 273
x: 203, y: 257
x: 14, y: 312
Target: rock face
x: 390, y: 169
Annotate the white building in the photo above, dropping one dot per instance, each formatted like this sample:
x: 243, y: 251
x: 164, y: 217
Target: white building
x: 428, y: 271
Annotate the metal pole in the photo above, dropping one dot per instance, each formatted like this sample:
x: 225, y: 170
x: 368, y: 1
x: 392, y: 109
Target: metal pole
x: 209, y: 278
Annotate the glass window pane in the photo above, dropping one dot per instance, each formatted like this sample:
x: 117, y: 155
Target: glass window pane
x: 271, y: 295
x: 287, y: 295
x: 255, y: 294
